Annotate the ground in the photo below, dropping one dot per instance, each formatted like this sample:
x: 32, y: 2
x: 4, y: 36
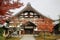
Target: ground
x: 27, y: 37
x: 41, y: 36
x: 2, y: 38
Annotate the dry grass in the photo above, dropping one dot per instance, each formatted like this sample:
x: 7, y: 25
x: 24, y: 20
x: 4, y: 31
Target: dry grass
x: 47, y: 36
x: 2, y: 38
x: 13, y: 38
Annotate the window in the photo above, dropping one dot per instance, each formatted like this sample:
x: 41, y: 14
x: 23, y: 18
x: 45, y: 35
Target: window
x: 31, y: 13
x: 31, y: 16
x: 26, y: 16
x: 26, y: 13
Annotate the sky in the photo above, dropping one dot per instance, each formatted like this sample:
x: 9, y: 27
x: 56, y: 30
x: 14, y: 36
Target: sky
x: 49, y: 8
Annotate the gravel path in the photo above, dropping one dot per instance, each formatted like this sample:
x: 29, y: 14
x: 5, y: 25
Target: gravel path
x: 27, y: 37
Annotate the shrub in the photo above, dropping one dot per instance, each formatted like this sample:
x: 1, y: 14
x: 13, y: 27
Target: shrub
x: 1, y: 31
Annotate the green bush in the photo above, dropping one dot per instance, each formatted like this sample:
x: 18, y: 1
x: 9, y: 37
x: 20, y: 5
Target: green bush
x: 1, y: 31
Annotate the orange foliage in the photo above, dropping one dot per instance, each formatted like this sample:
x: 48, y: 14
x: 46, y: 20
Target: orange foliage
x: 5, y: 6
x: 45, y: 25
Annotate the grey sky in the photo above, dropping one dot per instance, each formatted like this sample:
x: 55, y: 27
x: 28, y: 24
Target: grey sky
x: 49, y: 8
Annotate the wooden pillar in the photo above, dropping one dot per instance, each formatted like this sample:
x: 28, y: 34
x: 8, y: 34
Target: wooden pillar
x: 19, y: 32
x: 33, y: 31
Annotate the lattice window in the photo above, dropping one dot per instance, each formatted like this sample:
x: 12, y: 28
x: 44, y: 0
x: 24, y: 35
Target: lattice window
x: 25, y: 13
x: 29, y: 14
x: 26, y: 16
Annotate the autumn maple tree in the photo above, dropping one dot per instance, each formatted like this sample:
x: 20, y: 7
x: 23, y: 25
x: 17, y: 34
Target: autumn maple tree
x: 6, y: 5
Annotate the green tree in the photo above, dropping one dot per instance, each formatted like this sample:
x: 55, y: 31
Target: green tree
x: 1, y: 31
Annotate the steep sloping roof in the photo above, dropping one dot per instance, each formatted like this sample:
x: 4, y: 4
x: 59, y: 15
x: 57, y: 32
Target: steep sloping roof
x: 29, y: 7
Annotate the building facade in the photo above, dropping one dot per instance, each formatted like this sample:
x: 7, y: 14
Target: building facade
x: 29, y: 21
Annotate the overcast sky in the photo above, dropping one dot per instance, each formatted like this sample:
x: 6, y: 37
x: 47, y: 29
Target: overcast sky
x: 49, y: 8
